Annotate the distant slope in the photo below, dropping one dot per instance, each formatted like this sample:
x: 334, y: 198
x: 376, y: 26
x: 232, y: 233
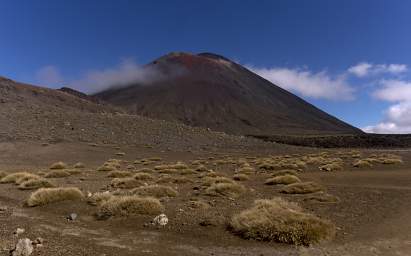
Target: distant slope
x: 217, y: 93
x: 31, y: 113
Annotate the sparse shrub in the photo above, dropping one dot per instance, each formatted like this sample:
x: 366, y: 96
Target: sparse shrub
x: 35, y: 184
x: 58, y: 166
x: 131, y: 206
x: 157, y: 191
x: 281, y: 221
x: 241, y: 177
x: 79, y: 165
x: 119, y: 174
x: 284, y: 179
x: 45, y: 196
x: 225, y: 189
x: 125, y: 183
x: 302, y: 188
x: 57, y: 174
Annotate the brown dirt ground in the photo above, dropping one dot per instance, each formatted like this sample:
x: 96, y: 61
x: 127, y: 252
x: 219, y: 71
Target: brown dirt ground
x: 372, y: 217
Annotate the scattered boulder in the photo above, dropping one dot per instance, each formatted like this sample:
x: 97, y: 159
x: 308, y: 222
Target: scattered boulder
x: 24, y: 247
x: 160, y: 220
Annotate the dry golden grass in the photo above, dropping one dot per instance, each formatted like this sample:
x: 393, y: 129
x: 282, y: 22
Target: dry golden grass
x: 17, y: 177
x: 157, y: 191
x: 131, y: 206
x: 241, y: 177
x: 79, y: 166
x: 125, y: 183
x: 302, y: 188
x: 99, y: 198
x: 284, y: 179
x: 2, y: 175
x: 119, y: 174
x: 45, y: 196
x: 281, y: 221
x: 58, y: 166
x: 35, y: 184
x: 321, y: 197
x: 57, y: 174
x: 391, y: 161
x: 225, y: 189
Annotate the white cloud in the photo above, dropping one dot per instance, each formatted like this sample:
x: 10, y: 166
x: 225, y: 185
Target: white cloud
x: 127, y: 72
x: 49, y: 76
x: 394, y: 90
x: 363, y: 69
x: 307, y: 83
x: 397, y: 118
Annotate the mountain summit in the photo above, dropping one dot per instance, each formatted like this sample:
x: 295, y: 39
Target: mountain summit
x: 209, y: 90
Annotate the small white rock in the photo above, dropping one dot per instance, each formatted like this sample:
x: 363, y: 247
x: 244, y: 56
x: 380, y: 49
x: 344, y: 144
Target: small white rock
x: 24, y: 247
x: 161, y: 220
x: 19, y: 231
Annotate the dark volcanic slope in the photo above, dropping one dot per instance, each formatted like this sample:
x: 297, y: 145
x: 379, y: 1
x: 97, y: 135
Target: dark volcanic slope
x: 211, y: 91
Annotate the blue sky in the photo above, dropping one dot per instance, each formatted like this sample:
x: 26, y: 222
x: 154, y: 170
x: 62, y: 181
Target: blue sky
x: 350, y: 58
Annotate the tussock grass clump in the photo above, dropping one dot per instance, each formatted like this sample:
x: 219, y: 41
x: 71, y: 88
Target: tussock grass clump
x: 155, y: 159
x: 17, y: 177
x: 241, y: 177
x: 120, y: 154
x: 57, y: 174
x: 391, y: 161
x: 99, y: 198
x: 362, y: 163
x: 45, y: 196
x: 225, y: 189
x: 284, y: 172
x: 2, y: 175
x: 35, y: 184
x: 119, y: 174
x: 58, y: 166
x: 208, y: 181
x: 143, y: 176
x: 157, y: 191
x: 106, y: 168
x: 322, y: 197
x: 200, y: 168
x: 170, y: 179
x: 284, y: 179
x: 125, y: 183
x: 131, y: 206
x: 281, y: 221
x: 146, y: 170
x: 79, y: 166
x: 331, y: 167
x: 302, y: 188
x: 27, y: 177
x: 247, y: 170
